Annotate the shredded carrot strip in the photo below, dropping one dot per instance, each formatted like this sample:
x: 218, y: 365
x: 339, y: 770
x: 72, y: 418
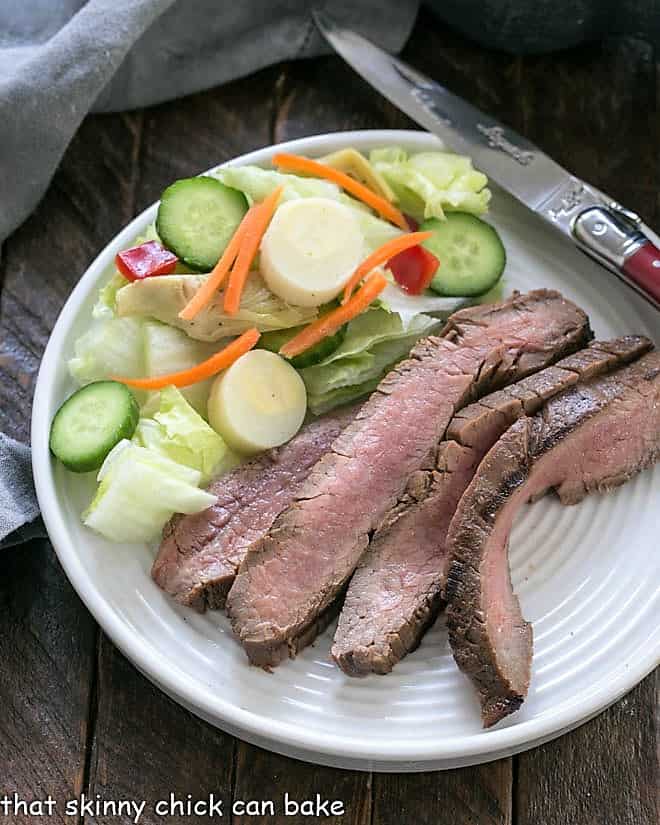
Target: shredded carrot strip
x: 219, y: 272
x: 330, y: 323
x: 220, y: 361
x: 380, y: 256
x: 254, y: 232
x: 297, y: 163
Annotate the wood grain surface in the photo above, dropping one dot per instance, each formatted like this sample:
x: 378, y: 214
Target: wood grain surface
x: 75, y: 715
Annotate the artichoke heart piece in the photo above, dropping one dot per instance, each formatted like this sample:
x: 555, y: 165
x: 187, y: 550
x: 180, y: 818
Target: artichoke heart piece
x: 353, y: 163
x: 164, y: 297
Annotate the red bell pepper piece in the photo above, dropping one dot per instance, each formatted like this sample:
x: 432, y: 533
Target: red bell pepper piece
x: 145, y: 261
x: 413, y: 269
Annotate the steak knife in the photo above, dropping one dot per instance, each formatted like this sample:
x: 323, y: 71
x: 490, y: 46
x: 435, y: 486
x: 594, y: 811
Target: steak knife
x: 614, y: 236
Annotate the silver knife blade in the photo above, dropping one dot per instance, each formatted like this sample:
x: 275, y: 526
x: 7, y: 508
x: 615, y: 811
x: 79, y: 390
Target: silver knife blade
x: 506, y: 157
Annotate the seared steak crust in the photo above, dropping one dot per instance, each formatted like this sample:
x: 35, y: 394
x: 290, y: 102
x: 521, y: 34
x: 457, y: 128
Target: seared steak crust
x: 395, y: 592
x: 592, y: 437
x: 200, y: 554
x: 291, y: 575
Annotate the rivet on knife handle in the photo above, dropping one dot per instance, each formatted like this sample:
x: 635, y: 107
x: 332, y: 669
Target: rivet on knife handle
x: 616, y: 240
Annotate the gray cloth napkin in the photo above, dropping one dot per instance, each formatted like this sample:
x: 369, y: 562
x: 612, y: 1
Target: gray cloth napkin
x: 59, y: 61
x: 18, y: 502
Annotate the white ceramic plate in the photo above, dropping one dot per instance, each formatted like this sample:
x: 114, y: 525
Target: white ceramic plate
x: 587, y: 576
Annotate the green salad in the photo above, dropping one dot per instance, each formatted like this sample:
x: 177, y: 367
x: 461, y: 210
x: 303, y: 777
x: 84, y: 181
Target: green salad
x: 257, y: 298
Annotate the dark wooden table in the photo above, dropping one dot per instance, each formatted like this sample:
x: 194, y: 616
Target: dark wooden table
x: 75, y: 716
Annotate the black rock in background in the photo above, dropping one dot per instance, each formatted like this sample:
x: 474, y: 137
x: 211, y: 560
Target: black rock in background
x: 534, y: 26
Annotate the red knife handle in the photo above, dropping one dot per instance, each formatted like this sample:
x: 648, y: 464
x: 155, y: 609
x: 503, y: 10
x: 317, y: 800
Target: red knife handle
x: 643, y: 268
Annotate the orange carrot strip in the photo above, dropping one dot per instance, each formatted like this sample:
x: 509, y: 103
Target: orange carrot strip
x: 254, y: 232
x: 382, y: 255
x: 217, y: 275
x: 330, y: 323
x: 220, y: 361
x: 297, y: 163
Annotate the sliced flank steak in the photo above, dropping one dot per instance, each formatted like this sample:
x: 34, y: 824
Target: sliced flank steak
x: 395, y: 592
x: 592, y: 437
x: 292, y: 575
x: 200, y: 554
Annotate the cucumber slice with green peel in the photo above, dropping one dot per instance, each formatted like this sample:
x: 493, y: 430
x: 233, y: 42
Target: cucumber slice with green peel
x: 276, y: 339
x: 197, y: 218
x: 471, y: 254
x: 91, y: 422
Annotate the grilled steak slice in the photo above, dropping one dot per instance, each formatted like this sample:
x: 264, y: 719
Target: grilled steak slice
x: 291, y: 575
x: 395, y: 592
x: 200, y: 554
x: 394, y: 595
x: 594, y: 436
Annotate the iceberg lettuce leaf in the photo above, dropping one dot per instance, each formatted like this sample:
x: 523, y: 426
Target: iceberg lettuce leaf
x: 323, y: 403
x: 113, y: 346
x: 177, y: 432
x: 106, y: 302
x: 374, y: 342
x: 374, y: 326
x: 258, y: 183
x: 407, y: 306
x: 139, y: 491
x: 343, y: 372
x: 428, y: 183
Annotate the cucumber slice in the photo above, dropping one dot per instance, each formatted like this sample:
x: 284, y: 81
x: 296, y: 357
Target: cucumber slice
x: 471, y: 254
x: 197, y: 218
x: 276, y: 339
x: 91, y: 422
